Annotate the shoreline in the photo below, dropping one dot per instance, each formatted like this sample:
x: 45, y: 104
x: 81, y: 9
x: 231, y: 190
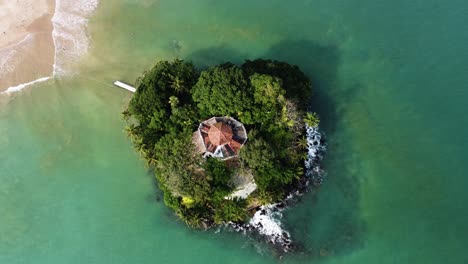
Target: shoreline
x: 19, y: 87
x: 44, y: 41
x: 266, y: 222
x: 27, y: 50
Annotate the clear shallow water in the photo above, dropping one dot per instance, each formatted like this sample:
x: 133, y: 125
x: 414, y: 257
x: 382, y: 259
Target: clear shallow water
x: 390, y: 84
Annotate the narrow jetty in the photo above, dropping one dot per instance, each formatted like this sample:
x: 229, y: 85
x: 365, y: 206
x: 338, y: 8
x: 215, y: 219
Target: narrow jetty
x: 125, y: 86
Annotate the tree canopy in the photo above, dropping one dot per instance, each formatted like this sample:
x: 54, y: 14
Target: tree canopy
x: 222, y: 90
x: 295, y: 82
x: 172, y: 98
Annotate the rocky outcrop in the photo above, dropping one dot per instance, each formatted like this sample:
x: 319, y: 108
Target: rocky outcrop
x: 266, y: 221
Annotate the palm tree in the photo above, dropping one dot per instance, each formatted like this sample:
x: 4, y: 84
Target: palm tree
x: 194, y: 221
x: 264, y: 197
x: 299, y: 172
x: 218, y: 218
x: 302, y: 143
x: 151, y: 160
x: 132, y: 132
x: 140, y: 146
x: 312, y: 119
x: 177, y: 84
x: 173, y: 101
x: 144, y: 152
x: 126, y: 114
x: 234, y: 211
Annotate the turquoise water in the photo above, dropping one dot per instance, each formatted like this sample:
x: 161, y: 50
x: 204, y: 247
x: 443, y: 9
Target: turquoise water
x: 389, y: 77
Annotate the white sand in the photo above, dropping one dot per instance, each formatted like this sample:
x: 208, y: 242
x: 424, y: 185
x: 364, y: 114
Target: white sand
x: 26, y: 44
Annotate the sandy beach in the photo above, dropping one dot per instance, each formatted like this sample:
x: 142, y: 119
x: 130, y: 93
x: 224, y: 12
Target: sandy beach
x: 26, y: 44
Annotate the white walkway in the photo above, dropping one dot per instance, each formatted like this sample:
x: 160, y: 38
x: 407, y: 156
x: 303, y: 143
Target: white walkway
x: 125, y: 86
x: 244, y: 192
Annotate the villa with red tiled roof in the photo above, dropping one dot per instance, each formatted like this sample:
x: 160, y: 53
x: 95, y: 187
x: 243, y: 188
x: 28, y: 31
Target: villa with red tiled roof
x: 220, y: 137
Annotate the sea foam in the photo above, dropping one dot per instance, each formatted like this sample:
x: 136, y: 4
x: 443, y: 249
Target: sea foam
x: 7, y: 55
x: 23, y: 85
x: 267, y: 222
x: 71, y: 41
x: 70, y: 38
x: 267, y: 219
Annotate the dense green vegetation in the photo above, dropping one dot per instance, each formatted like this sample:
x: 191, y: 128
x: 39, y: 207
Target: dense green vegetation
x: 269, y: 97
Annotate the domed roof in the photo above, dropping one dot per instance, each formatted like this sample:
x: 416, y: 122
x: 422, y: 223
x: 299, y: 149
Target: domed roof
x: 220, y: 134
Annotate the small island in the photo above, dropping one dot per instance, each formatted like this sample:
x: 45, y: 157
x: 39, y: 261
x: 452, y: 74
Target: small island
x: 226, y: 140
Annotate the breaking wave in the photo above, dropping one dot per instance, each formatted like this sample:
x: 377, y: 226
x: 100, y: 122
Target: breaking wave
x: 267, y: 219
x: 71, y: 41
x: 23, y: 85
x: 69, y: 35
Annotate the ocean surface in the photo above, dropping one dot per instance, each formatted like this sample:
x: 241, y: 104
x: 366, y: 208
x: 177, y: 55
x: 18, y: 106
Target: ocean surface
x: 390, y: 81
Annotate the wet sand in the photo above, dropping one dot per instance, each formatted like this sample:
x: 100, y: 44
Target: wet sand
x: 26, y: 45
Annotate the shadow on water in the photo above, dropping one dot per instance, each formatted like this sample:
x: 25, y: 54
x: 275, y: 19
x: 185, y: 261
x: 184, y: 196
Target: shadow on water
x: 320, y: 64
x: 205, y: 58
x: 327, y: 222
x: 157, y: 196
